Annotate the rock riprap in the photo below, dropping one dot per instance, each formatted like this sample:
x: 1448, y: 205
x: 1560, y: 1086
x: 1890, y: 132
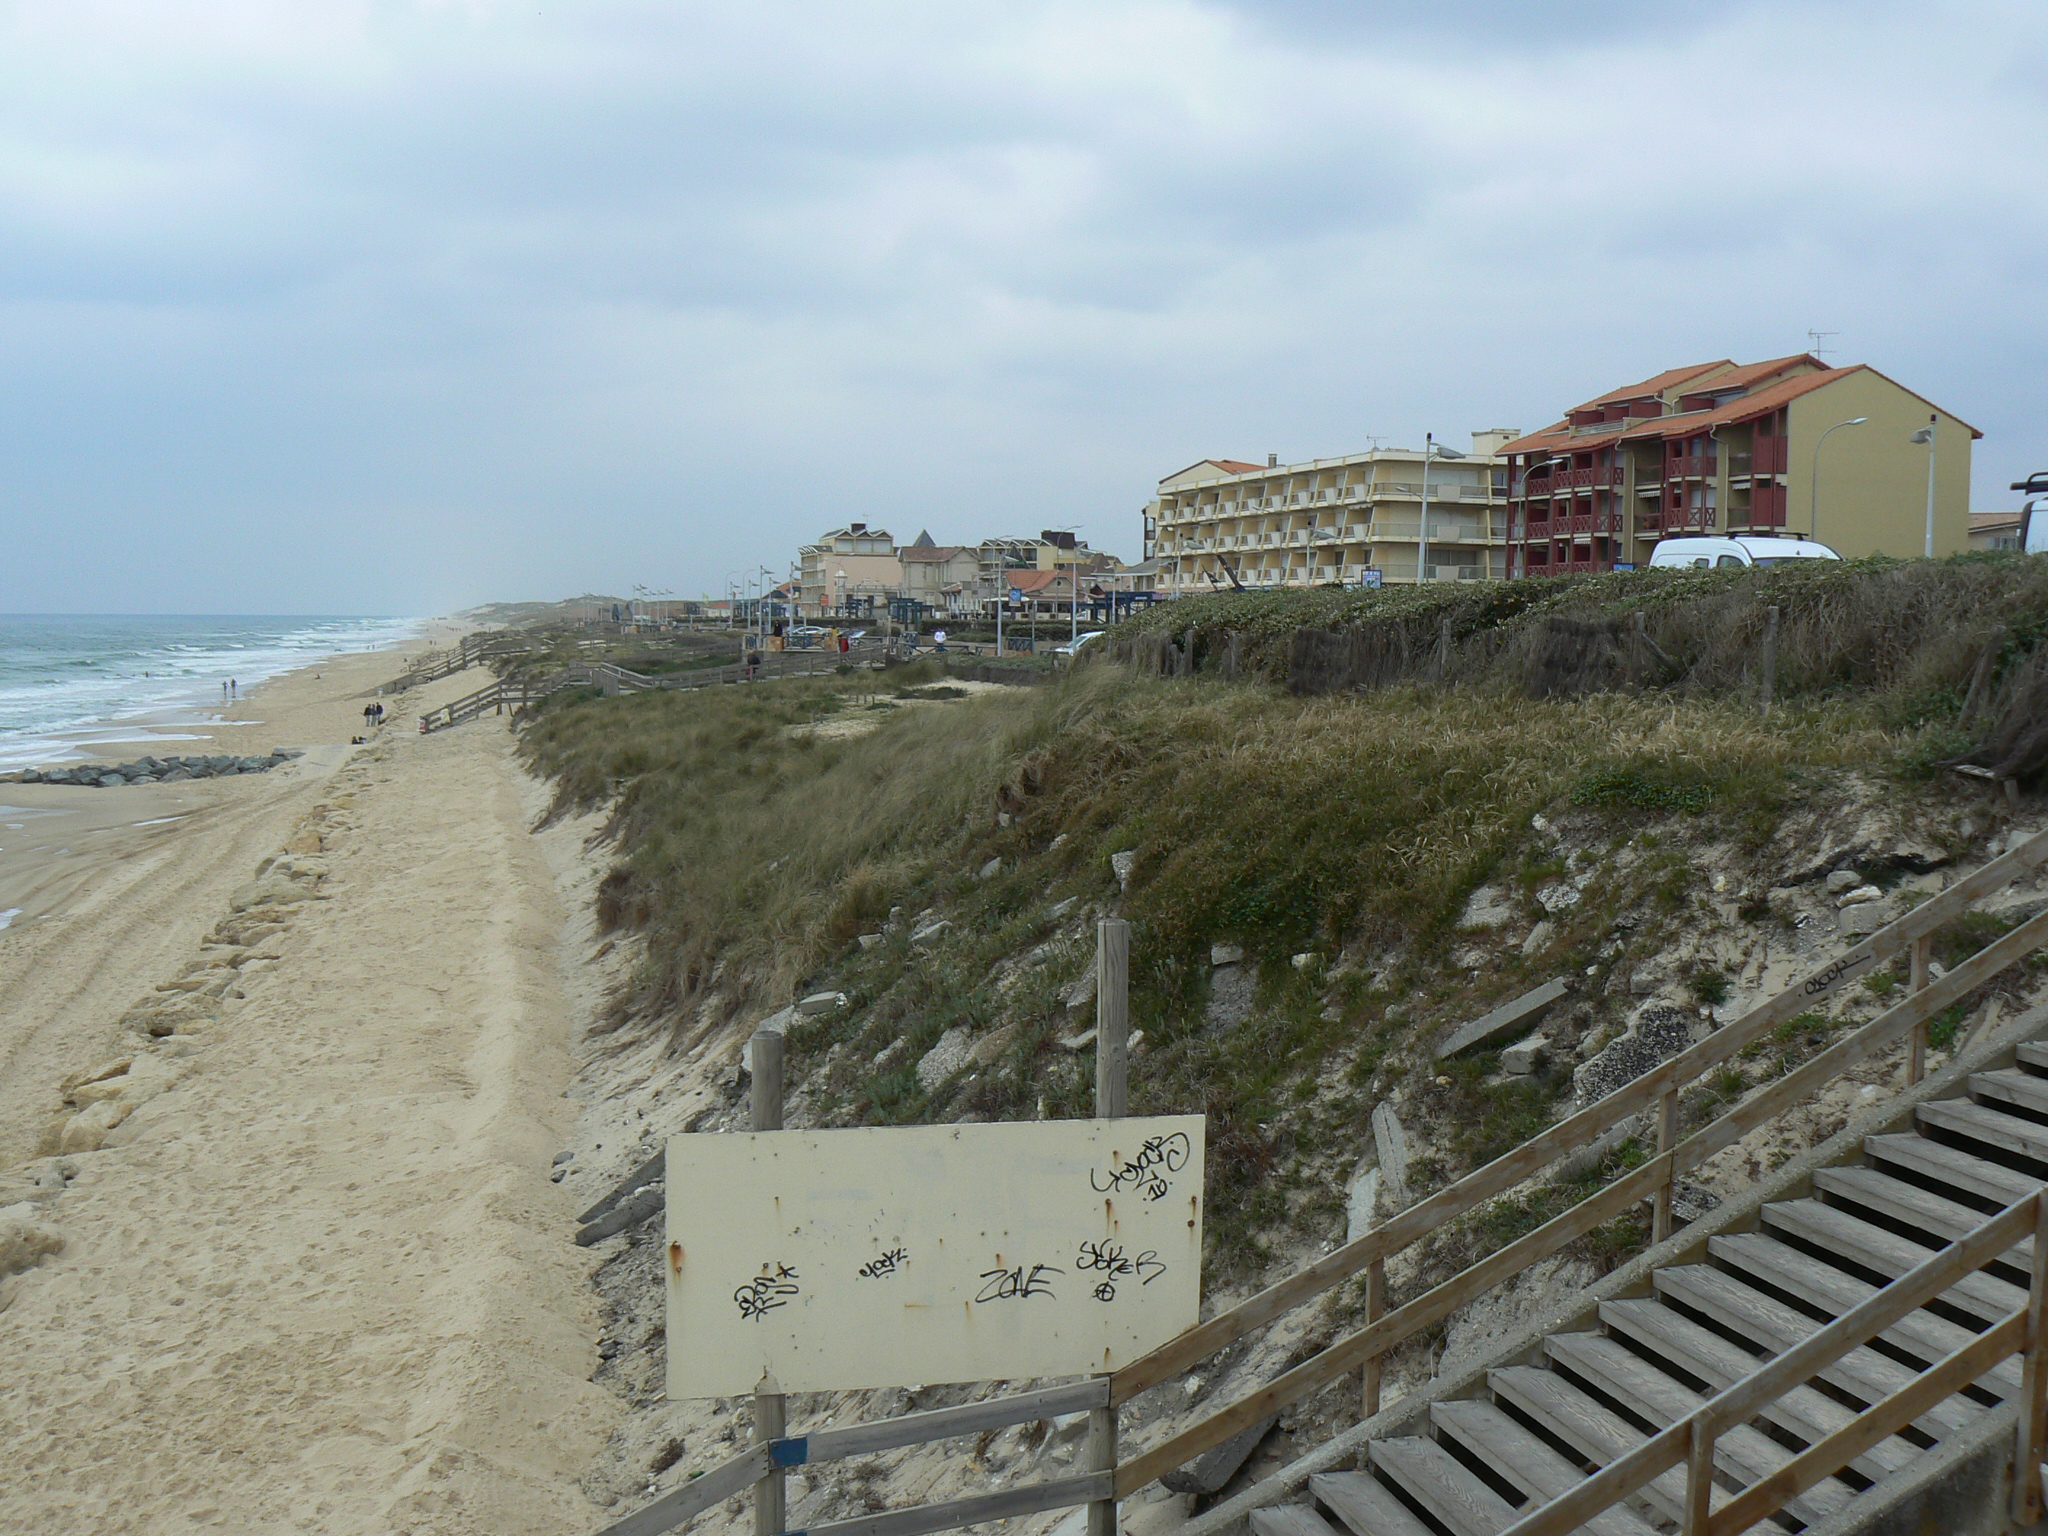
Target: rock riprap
x: 152, y: 770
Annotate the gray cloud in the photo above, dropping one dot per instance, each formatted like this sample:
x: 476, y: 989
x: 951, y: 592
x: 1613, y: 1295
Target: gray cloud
x: 395, y: 307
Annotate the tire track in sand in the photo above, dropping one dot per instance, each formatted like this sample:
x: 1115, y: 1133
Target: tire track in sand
x: 324, y: 1284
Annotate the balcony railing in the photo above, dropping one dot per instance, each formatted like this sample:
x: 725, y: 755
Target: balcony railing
x: 1687, y: 466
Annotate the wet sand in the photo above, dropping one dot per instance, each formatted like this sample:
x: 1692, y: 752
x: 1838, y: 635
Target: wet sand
x: 316, y: 1278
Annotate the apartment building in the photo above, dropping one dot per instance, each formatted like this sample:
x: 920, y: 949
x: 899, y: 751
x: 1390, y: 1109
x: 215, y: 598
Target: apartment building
x: 1788, y: 446
x: 848, y: 563
x: 1355, y: 519
x: 944, y: 577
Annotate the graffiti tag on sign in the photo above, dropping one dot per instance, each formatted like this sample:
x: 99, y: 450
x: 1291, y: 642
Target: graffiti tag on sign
x: 1016, y: 1284
x: 772, y: 1288
x: 1110, y: 1261
x: 887, y: 1264
x: 1145, y: 1174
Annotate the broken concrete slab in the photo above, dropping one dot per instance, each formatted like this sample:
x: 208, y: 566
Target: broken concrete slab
x: 1361, y: 1205
x: 1390, y: 1142
x: 1508, y: 1016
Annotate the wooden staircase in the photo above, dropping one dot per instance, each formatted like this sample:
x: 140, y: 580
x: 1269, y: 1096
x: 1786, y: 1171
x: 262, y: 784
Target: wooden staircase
x: 1480, y: 1464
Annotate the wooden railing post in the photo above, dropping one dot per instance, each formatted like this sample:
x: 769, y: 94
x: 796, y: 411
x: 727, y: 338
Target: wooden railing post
x: 1667, y: 1137
x: 1767, y: 668
x: 2032, y: 1427
x: 771, y: 1494
x: 1375, y: 1308
x: 1112, y: 1099
x: 1916, y: 1050
x: 1699, y: 1477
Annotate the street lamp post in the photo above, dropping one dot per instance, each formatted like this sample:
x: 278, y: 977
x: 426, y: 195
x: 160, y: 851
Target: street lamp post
x: 1550, y: 516
x: 1926, y: 435
x: 1813, y: 483
x: 1430, y: 447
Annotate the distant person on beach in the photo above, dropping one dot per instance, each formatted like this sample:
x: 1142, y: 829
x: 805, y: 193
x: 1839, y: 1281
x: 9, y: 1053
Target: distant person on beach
x: 223, y: 693
x: 234, y: 689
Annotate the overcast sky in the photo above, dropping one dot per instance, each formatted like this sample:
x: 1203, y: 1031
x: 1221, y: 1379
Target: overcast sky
x: 392, y: 306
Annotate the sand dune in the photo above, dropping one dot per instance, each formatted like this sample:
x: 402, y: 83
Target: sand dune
x: 318, y: 1278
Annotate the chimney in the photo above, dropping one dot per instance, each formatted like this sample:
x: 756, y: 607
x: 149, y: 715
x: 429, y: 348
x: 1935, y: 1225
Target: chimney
x: 1272, y: 461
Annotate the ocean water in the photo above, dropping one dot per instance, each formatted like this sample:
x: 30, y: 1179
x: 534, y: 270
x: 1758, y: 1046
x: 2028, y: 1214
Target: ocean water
x: 64, y: 677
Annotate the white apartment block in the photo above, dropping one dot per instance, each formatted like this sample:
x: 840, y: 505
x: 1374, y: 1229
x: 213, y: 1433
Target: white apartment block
x: 1332, y: 520
x: 856, y: 562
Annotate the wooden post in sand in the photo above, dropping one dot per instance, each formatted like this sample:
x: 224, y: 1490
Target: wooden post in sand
x: 1112, y: 1085
x: 1768, y: 671
x: 771, y: 1494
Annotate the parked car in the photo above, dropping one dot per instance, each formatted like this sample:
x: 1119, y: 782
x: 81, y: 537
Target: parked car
x: 2033, y: 530
x: 1707, y: 554
x: 1078, y: 644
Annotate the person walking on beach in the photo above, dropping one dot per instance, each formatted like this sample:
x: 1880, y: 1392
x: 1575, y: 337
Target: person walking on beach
x: 234, y: 689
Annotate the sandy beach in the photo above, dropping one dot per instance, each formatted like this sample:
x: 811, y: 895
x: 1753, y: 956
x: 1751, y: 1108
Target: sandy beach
x: 301, y: 1266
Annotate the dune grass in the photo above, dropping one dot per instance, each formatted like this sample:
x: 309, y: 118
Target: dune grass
x: 1347, y: 831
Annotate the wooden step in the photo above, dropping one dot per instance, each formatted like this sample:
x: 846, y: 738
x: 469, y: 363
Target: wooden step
x: 1365, y: 1506
x: 1806, y: 1414
x: 1743, y: 1452
x: 1983, y: 1297
x: 1937, y: 1219
x: 1442, y: 1485
x: 1922, y: 1336
x: 2034, y: 1053
x: 1863, y: 1373
x: 2009, y: 1085
x: 1300, y: 1520
x: 1591, y: 1428
x: 1511, y: 1452
x: 1996, y: 1132
x: 1971, y: 1179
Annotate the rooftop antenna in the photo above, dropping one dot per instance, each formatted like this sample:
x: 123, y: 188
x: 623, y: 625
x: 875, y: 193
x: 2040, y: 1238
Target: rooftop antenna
x: 1817, y: 337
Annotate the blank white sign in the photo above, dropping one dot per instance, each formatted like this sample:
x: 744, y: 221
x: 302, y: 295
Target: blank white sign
x: 894, y: 1256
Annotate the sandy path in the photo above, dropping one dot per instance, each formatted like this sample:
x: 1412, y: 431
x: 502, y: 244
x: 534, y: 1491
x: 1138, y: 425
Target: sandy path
x: 323, y: 1283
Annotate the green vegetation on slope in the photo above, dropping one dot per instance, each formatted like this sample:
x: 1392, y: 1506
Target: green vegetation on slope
x: 1346, y: 831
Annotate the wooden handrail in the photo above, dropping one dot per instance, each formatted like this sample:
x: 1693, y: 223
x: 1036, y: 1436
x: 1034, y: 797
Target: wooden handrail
x: 741, y: 1472
x: 1657, y: 1086
x: 1692, y: 1439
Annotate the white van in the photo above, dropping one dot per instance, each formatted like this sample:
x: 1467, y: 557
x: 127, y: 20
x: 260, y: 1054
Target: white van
x: 2033, y: 518
x: 1707, y: 554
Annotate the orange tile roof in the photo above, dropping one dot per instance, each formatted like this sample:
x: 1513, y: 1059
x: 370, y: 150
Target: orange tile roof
x: 1655, y: 385
x: 1769, y: 398
x: 1032, y: 583
x: 1228, y: 466
x: 1559, y: 435
x: 1749, y: 373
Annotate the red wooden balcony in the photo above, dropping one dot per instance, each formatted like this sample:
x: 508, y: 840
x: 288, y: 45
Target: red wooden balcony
x: 1767, y: 456
x: 1684, y: 466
